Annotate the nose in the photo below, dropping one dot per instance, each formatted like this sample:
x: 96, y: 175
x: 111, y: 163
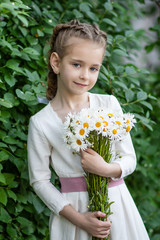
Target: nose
x: 84, y: 74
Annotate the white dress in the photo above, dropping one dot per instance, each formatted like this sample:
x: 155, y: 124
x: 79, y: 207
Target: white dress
x: 46, y: 147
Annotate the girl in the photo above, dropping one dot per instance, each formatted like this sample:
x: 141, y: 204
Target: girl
x: 75, y: 58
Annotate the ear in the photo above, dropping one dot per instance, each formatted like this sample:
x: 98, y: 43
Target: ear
x: 55, y: 62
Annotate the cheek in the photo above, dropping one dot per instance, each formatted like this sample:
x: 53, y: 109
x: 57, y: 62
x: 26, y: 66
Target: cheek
x: 94, y: 78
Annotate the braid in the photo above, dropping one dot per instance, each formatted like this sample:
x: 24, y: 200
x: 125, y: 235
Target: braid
x: 58, y: 42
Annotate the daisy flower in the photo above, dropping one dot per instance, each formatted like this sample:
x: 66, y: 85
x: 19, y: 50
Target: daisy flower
x: 78, y: 144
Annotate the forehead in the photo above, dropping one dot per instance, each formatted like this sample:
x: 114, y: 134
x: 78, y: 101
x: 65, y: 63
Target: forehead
x: 84, y: 49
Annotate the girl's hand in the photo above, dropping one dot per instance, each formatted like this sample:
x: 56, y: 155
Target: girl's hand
x: 92, y: 162
x: 95, y: 227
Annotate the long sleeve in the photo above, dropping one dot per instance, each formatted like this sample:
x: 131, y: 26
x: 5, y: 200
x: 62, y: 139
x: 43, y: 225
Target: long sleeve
x: 39, y: 151
x: 124, y: 149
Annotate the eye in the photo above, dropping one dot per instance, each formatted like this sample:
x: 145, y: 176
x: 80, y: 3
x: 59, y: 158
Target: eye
x: 93, y: 69
x: 77, y: 65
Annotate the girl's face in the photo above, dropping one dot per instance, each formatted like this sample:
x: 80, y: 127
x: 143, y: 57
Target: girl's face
x: 79, y: 68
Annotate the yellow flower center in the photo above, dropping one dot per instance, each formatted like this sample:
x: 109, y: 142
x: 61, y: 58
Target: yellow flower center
x: 128, y: 129
x: 105, y: 123
x: 77, y: 121
x: 104, y: 130
x: 81, y: 131
x: 118, y: 122
x: 127, y: 121
x: 79, y: 142
x: 114, y: 131
x: 101, y: 117
x: 110, y: 115
x: 98, y: 124
x: 85, y: 125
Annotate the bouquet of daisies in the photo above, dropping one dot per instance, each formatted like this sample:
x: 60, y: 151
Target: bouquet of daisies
x: 97, y: 129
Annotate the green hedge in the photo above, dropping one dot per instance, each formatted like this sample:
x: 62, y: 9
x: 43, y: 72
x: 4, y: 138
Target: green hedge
x: 25, y: 27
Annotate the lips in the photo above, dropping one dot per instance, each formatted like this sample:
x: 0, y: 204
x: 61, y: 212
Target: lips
x: 80, y: 84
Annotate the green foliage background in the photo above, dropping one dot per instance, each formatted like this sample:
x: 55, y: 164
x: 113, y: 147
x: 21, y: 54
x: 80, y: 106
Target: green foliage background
x: 25, y: 27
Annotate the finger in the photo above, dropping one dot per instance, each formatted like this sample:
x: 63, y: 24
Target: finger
x: 99, y: 214
x: 103, y: 234
x: 90, y: 151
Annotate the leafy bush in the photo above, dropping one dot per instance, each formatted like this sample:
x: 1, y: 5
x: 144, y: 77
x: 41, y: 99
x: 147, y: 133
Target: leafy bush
x: 25, y: 28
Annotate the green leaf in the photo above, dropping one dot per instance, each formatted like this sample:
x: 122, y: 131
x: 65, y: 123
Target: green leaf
x: 119, y: 69
x: 129, y: 33
x: 4, y: 216
x: 32, y: 40
x: 16, y: 52
x: 19, y: 4
x: 77, y: 14
x: 3, y: 196
x: 107, y: 54
x: 9, y: 178
x: 3, y: 156
x: 2, y: 178
x: 152, y: 97
x: 48, y: 30
x: 27, y: 226
x: 40, y: 33
x: 3, y: 145
x: 5, y: 114
x: 14, y: 65
x: 145, y: 71
x: 120, y: 84
x: 92, y: 16
x: 104, y: 70
x: 103, y: 77
x: 5, y: 103
x: 108, y: 6
x: 9, y: 97
x: 36, y: 76
x: 58, y: 6
x: 23, y: 20
x: 3, y: 24
x: 109, y: 22
x: 10, y: 140
x: 8, y: 6
x: 142, y: 95
x: 30, y: 51
x: 148, y: 105
x: 23, y: 30
x: 4, y: 43
x: 150, y: 47
x: 119, y: 38
x: 10, y: 80
x: 30, y: 75
x: 130, y: 70
x: 129, y: 94
x: 12, y: 195
x: 84, y: 7
x: 20, y: 94
x: 29, y: 96
x: 120, y: 52
x: 12, y: 232
x: 37, y: 9
x: 38, y: 204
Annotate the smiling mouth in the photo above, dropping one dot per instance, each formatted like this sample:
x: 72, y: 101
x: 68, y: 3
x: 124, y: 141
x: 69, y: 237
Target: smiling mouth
x: 80, y: 84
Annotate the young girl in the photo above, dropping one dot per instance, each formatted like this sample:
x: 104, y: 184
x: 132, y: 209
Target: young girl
x: 75, y: 58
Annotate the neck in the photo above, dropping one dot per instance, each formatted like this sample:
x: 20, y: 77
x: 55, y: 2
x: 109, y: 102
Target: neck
x: 70, y: 102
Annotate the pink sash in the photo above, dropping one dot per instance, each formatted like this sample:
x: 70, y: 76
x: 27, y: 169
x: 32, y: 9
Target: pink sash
x: 78, y: 184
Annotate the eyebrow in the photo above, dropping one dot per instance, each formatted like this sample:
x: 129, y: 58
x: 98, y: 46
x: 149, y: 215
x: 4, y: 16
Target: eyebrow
x: 80, y: 61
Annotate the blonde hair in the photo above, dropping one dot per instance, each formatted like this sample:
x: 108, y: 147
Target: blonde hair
x: 59, y: 38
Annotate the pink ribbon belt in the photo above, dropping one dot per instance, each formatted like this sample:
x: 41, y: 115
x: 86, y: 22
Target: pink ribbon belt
x: 78, y: 184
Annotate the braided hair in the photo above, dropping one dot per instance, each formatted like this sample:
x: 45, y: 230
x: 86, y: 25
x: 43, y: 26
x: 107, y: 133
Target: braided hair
x: 61, y: 33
